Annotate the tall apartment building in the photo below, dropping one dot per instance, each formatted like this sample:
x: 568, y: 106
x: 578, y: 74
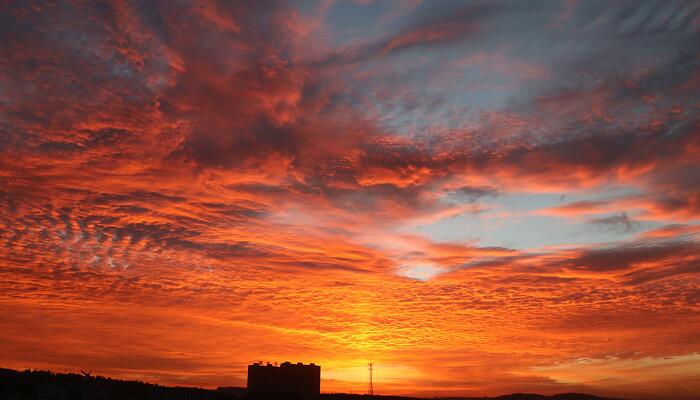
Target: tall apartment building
x: 287, y: 379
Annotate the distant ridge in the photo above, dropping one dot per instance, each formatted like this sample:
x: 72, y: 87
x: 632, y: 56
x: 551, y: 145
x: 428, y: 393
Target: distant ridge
x: 532, y: 396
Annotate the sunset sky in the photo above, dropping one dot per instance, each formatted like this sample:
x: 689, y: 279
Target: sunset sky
x: 479, y: 197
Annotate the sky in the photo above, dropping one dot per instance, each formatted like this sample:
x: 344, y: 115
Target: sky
x: 479, y: 197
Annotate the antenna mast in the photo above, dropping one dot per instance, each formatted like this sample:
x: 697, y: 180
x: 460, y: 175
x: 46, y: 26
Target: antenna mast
x: 371, y: 388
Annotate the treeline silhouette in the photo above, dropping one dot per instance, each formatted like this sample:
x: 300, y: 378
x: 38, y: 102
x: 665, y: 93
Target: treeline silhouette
x: 47, y: 385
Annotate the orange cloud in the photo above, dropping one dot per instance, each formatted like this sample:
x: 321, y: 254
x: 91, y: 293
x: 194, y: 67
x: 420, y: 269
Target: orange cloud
x: 185, y: 190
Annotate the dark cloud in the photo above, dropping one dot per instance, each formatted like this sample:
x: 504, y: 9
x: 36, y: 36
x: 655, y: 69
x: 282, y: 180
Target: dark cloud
x: 679, y: 267
x: 473, y: 194
x: 244, y: 209
x: 632, y: 254
x: 615, y: 223
x: 432, y: 27
x: 257, y: 188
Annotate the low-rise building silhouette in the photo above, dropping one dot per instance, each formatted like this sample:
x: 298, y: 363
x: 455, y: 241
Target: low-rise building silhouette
x: 287, y: 379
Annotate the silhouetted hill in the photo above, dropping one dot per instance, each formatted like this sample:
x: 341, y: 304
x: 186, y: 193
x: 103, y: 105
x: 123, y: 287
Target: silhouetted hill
x: 46, y: 385
x: 531, y: 396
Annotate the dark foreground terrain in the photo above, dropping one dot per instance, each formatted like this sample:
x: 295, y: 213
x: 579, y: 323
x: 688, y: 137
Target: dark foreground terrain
x: 46, y: 385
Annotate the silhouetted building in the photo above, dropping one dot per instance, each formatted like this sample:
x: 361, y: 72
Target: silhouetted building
x: 286, y: 379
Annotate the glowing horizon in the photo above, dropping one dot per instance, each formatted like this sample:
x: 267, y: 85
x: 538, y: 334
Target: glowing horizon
x: 479, y: 197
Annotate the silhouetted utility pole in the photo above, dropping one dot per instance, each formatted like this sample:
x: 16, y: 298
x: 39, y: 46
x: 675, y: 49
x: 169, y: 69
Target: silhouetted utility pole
x: 371, y: 388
